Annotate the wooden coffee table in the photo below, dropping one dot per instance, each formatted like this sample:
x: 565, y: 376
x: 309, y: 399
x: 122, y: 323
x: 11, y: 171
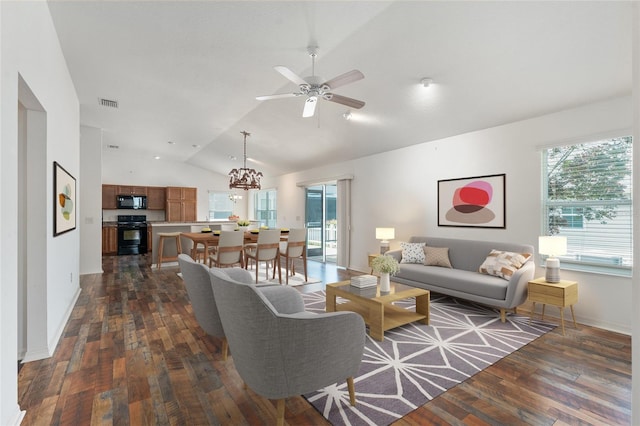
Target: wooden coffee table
x: 377, y: 309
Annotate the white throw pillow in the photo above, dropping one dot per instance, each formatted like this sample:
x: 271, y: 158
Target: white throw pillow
x: 412, y: 252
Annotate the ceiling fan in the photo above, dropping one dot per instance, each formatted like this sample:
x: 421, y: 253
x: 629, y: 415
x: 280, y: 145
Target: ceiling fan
x: 314, y: 88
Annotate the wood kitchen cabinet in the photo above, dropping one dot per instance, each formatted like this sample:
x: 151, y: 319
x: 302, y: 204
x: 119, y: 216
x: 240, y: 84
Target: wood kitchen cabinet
x: 132, y: 190
x: 181, y: 204
x: 156, y: 197
x: 109, y: 193
x: 109, y: 239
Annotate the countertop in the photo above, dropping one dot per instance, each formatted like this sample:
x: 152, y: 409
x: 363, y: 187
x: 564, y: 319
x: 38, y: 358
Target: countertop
x: 164, y: 223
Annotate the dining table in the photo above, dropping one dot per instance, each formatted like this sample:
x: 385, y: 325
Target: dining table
x: 211, y: 239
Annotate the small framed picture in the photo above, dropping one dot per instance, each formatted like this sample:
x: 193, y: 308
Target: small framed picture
x: 477, y: 202
x: 64, y: 200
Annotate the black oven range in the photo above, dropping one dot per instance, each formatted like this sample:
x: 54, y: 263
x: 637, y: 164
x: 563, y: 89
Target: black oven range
x: 132, y: 234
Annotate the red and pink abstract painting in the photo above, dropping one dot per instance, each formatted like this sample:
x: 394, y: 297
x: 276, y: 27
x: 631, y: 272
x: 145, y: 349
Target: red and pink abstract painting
x: 475, y: 202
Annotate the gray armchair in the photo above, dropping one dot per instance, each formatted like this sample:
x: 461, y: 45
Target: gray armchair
x: 196, y: 280
x: 278, y: 348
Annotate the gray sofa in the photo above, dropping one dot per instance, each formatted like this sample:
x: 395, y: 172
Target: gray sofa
x: 463, y: 280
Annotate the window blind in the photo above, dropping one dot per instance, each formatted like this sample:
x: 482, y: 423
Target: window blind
x: 587, y: 198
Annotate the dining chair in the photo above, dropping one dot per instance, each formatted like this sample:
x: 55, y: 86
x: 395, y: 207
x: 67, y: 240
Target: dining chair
x: 229, y: 251
x: 230, y: 226
x: 279, y: 349
x: 266, y: 249
x: 294, y: 248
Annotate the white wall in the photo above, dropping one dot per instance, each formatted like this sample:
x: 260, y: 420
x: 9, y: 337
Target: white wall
x: 128, y: 169
x: 90, y: 222
x: 399, y: 189
x: 30, y: 49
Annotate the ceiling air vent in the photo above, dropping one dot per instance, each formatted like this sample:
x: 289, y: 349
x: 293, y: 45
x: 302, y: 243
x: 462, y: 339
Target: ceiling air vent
x: 113, y: 146
x: 108, y: 103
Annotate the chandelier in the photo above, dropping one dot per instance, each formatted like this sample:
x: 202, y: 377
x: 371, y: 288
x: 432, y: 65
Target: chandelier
x: 244, y: 178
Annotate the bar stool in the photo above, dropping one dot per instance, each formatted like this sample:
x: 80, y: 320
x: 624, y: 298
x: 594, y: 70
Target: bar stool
x: 162, y: 236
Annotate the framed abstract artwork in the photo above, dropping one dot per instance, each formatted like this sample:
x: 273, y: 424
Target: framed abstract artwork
x: 64, y: 200
x: 477, y: 202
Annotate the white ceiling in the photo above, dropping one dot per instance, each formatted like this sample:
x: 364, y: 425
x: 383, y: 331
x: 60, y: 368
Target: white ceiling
x: 189, y: 72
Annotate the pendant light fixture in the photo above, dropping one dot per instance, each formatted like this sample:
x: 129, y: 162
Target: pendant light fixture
x: 244, y: 178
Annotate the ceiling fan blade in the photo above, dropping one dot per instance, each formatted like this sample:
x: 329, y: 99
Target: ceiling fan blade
x: 346, y: 78
x: 310, y: 106
x: 290, y: 75
x: 343, y: 100
x: 277, y: 96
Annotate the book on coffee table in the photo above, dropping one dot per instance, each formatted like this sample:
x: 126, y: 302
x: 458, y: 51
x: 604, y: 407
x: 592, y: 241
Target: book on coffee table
x: 362, y: 281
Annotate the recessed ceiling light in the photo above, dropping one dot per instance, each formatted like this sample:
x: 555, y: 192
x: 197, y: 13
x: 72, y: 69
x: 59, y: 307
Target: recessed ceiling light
x: 232, y: 158
x: 171, y: 143
x: 157, y: 157
x: 426, y: 82
x: 195, y: 145
x: 347, y: 115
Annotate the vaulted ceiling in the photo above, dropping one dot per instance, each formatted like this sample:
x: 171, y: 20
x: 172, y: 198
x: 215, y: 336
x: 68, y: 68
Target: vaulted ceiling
x: 189, y: 71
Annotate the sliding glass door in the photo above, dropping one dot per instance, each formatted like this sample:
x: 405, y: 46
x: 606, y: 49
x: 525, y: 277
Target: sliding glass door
x: 321, y: 222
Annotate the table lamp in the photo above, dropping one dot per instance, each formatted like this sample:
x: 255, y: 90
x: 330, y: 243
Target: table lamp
x: 552, y: 247
x: 385, y: 234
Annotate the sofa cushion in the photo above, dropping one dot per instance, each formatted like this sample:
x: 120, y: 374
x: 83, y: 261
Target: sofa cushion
x: 503, y: 263
x: 412, y: 252
x: 437, y: 256
x: 456, y: 279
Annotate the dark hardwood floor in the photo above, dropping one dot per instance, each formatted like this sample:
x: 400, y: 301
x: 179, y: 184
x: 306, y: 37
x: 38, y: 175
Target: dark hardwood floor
x: 132, y: 353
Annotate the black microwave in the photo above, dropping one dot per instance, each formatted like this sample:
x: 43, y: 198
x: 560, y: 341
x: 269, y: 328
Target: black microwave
x: 132, y: 202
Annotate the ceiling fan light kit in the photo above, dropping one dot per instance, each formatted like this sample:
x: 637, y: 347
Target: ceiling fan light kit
x: 244, y: 178
x: 314, y: 87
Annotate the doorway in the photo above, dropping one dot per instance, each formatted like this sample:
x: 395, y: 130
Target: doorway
x: 31, y: 224
x: 321, y: 222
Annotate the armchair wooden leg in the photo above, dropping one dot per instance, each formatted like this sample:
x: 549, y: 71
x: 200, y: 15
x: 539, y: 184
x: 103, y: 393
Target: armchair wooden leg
x: 280, y: 406
x: 225, y: 348
x: 503, y: 315
x: 352, y: 391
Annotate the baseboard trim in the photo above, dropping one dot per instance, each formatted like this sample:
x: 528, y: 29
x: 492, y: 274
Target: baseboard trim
x: 17, y: 417
x: 56, y: 338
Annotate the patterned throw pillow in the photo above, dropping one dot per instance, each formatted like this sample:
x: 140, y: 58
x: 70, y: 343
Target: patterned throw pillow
x: 412, y: 252
x: 437, y: 256
x: 503, y: 263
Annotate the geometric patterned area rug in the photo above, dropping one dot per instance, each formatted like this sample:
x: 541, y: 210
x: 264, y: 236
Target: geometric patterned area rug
x: 417, y: 362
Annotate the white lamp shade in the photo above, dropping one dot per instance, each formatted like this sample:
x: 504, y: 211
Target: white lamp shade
x: 552, y: 246
x: 385, y: 233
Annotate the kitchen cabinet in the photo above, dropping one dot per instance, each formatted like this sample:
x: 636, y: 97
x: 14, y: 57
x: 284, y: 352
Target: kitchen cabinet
x: 132, y: 190
x: 109, y: 193
x: 109, y: 239
x: 181, y: 204
x: 156, y: 197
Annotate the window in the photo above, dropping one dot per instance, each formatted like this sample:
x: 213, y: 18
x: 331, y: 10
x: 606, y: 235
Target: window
x: 587, y: 198
x: 221, y: 205
x: 266, y: 207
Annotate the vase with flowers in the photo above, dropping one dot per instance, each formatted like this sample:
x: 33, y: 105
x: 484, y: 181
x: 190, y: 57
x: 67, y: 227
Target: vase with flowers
x: 385, y: 266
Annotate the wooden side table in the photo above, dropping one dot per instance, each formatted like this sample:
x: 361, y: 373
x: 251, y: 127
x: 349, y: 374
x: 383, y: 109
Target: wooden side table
x: 371, y: 257
x: 561, y: 294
